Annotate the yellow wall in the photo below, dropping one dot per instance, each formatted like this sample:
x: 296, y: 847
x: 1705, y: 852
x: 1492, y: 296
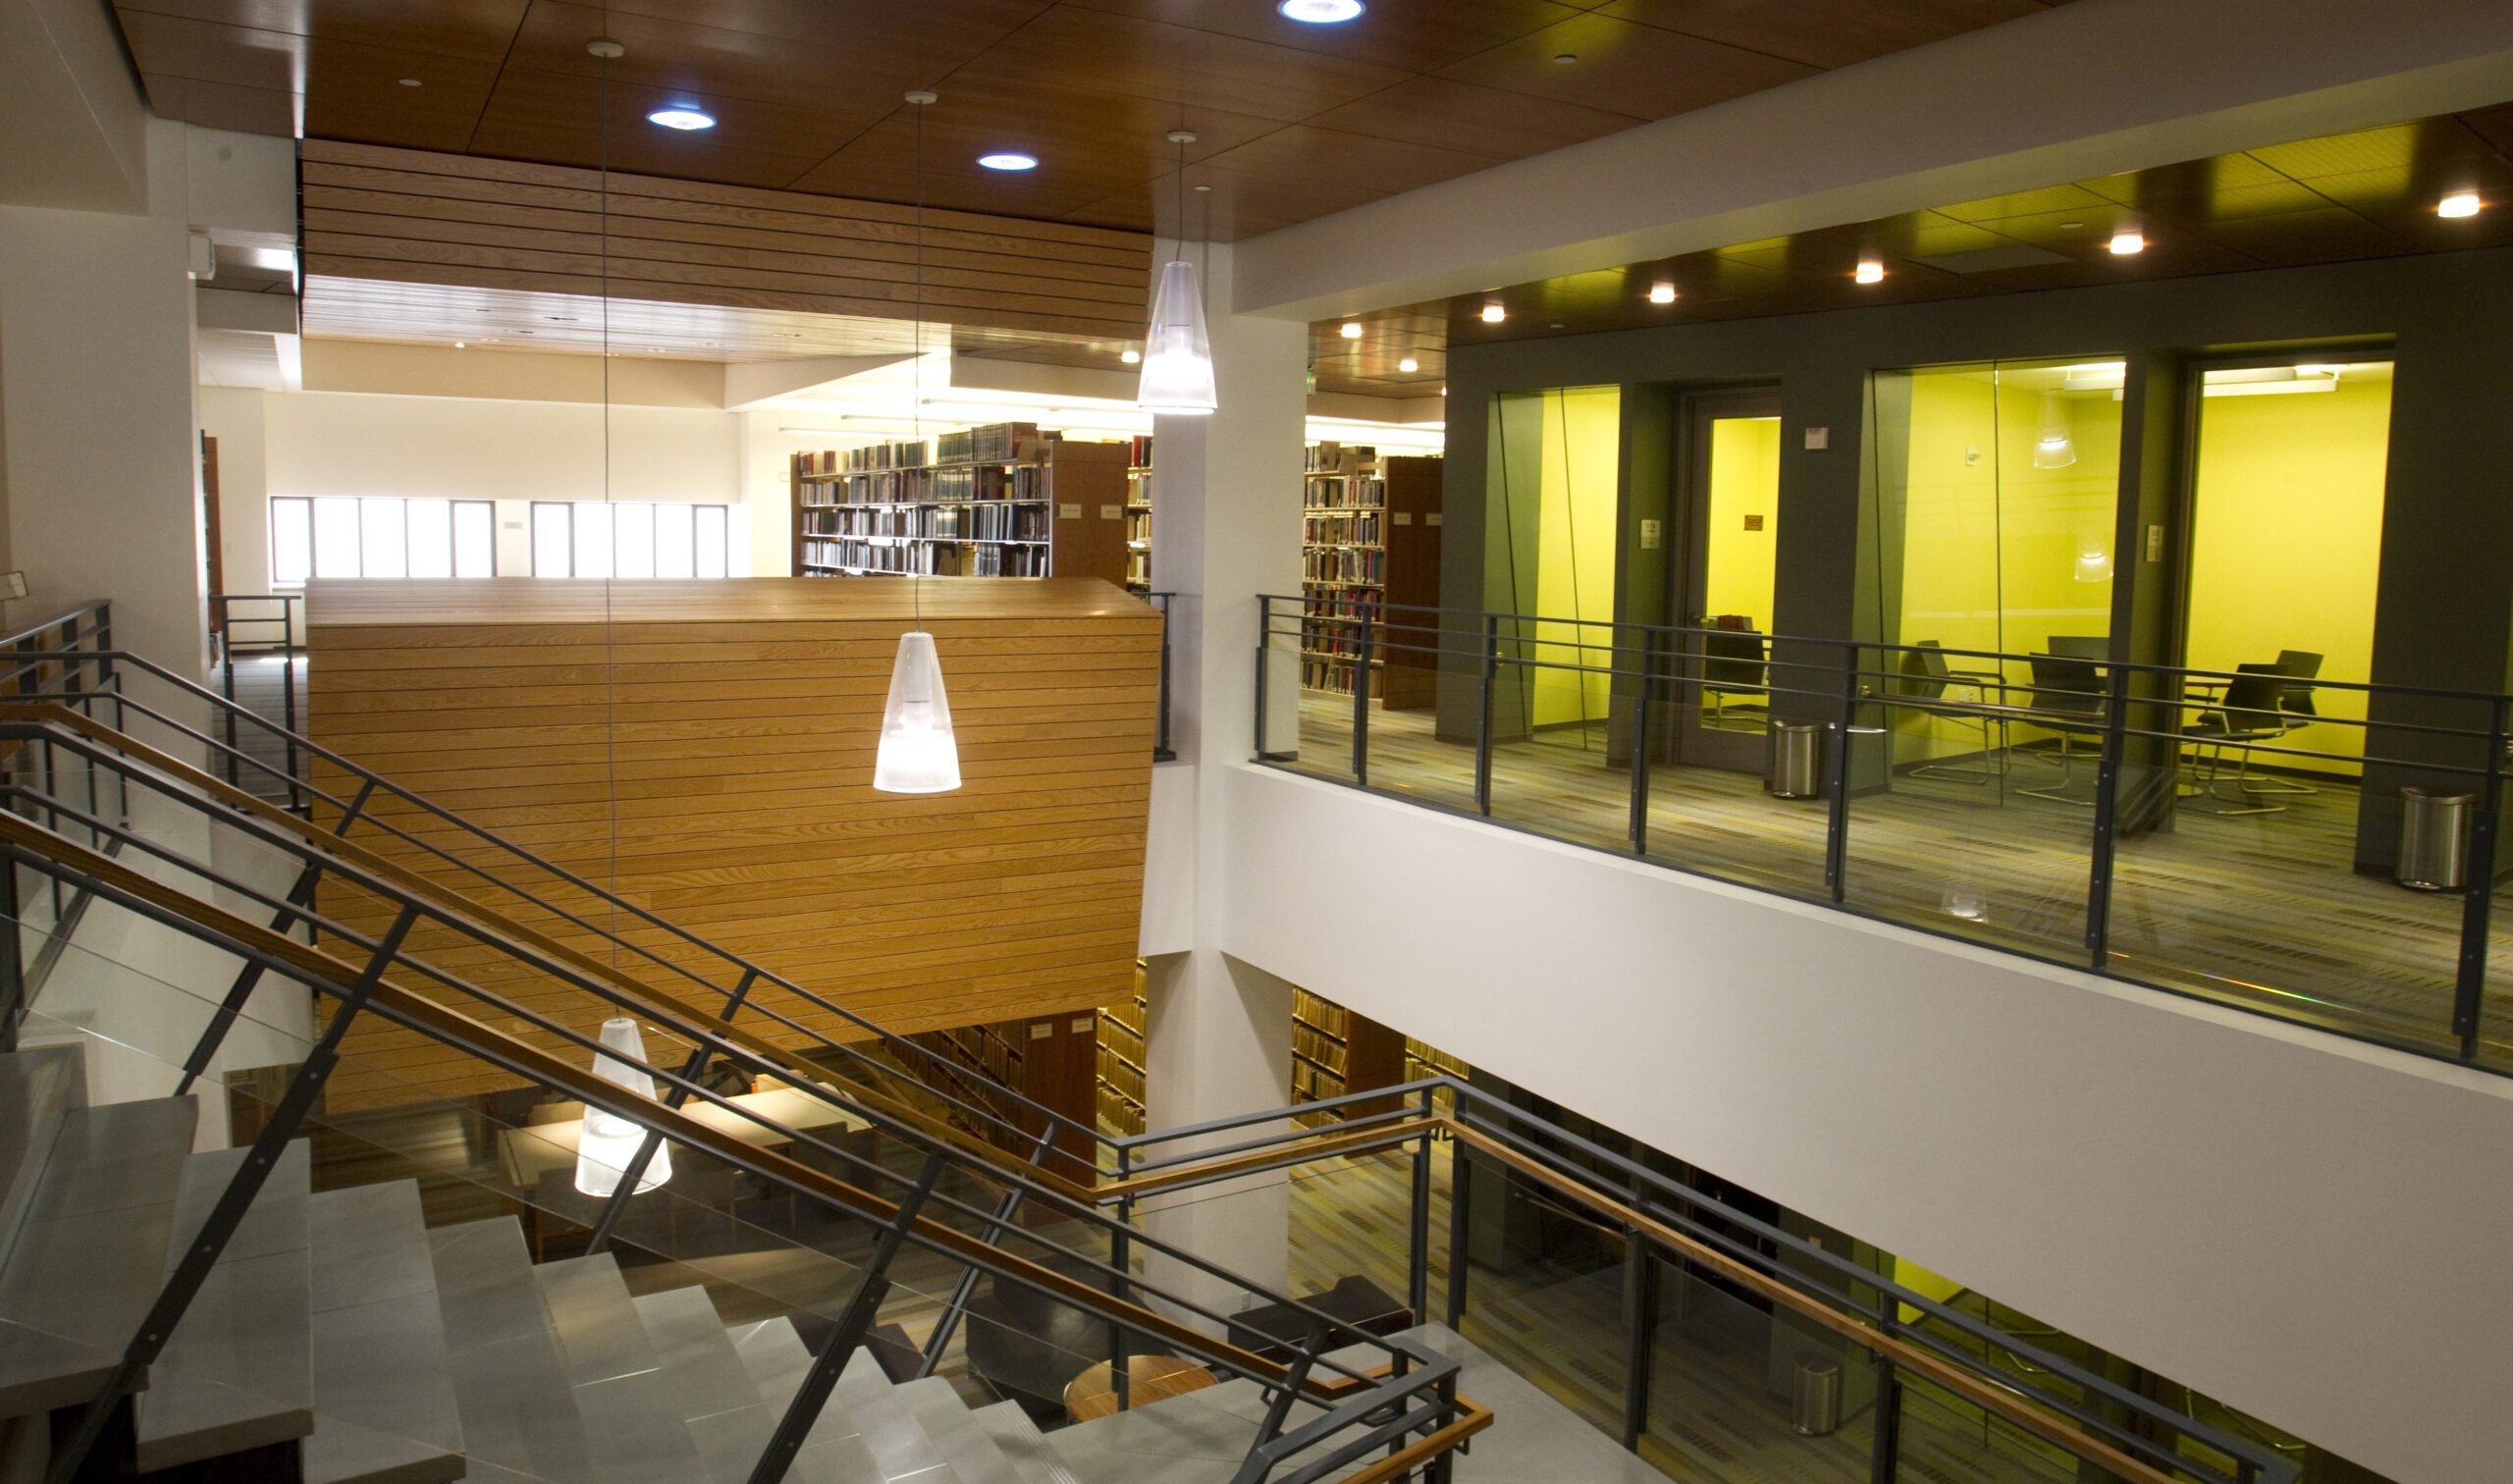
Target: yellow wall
x: 1744, y: 480
x: 1921, y: 1280
x: 1575, y: 550
x: 2286, y: 533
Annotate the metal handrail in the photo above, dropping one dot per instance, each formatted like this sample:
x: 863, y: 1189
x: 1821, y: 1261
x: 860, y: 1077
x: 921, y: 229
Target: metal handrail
x: 373, y: 989
x: 596, y: 923
x: 1849, y: 686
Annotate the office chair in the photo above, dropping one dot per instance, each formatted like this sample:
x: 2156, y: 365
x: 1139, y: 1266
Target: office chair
x: 1731, y: 665
x: 1925, y: 680
x: 2250, y: 710
x: 2093, y: 647
x: 2067, y: 698
x: 2296, y: 711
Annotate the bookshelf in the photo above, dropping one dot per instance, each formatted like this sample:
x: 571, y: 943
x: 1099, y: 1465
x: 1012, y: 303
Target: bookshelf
x: 1139, y: 515
x: 1121, y: 1063
x: 1001, y: 500
x: 1343, y: 561
x: 1335, y: 1051
x: 1048, y: 1059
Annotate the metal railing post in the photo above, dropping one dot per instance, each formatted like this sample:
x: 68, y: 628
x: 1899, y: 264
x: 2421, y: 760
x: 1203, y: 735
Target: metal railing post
x: 1264, y: 634
x: 1639, y: 824
x: 287, y: 691
x: 2107, y: 820
x: 1417, y: 1270
x: 1160, y: 749
x: 1461, y: 1207
x: 2478, y: 903
x: 939, y: 1341
x: 1361, y: 699
x: 1837, y: 829
x: 1639, y: 1337
x: 192, y: 1270
x: 1484, y: 716
x: 795, y: 1426
x: 1121, y: 1257
x: 1884, y: 1440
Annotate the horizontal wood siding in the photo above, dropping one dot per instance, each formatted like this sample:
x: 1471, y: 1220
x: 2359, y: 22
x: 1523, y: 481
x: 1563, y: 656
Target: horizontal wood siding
x: 711, y: 748
x: 409, y: 216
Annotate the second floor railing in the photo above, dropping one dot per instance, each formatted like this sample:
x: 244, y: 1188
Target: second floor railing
x: 2318, y: 850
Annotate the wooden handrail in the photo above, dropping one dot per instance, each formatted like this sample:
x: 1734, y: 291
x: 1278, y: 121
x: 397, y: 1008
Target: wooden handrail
x: 1472, y: 1417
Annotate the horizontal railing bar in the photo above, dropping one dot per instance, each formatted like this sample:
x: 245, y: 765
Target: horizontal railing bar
x: 1151, y: 1138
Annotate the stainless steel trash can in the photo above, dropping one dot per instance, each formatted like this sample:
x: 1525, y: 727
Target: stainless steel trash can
x: 1794, y: 768
x: 2433, y: 839
x: 1815, y: 1399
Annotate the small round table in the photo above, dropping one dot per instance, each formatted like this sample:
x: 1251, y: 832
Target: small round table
x: 1149, y: 1379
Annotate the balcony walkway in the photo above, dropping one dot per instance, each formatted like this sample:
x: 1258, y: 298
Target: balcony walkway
x: 2264, y: 912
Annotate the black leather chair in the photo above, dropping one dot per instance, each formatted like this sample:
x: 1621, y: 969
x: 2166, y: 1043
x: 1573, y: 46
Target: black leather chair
x: 2066, y: 697
x: 2296, y: 712
x: 2251, y: 710
x: 1734, y: 664
x: 1926, y: 679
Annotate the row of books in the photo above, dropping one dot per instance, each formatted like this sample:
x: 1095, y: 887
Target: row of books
x: 1120, y: 1074
x: 1310, y: 1084
x: 1138, y: 451
x: 1360, y: 528
x: 1321, y: 1012
x: 1339, y: 458
x: 976, y: 522
x: 908, y: 454
x: 930, y: 558
x: 1344, y: 493
x: 996, y: 443
x: 1343, y: 565
x: 949, y: 486
x: 1332, y: 676
x: 1118, y: 1116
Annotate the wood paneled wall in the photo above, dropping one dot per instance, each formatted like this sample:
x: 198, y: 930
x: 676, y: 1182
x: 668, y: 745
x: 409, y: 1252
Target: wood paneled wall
x: 411, y: 216
x: 709, y: 745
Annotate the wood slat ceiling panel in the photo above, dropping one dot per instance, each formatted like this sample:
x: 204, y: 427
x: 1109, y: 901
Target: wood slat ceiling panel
x: 372, y: 214
x: 1018, y: 895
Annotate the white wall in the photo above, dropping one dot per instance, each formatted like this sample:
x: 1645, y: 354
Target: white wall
x: 2310, y: 1230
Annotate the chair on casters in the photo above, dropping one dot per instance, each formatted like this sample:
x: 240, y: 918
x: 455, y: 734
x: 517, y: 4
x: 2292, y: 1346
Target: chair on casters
x: 2067, y: 698
x: 1925, y: 680
x: 2250, y: 710
x: 2296, y: 711
x: 1733, y: 665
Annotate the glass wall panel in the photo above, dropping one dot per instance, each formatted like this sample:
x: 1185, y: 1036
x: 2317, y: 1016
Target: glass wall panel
x: 431, y: 525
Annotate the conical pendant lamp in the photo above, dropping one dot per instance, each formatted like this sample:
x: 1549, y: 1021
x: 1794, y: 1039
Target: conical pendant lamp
x: 2057, y: 445
x: 918, y: 754
x: 1178, y: 350
x: 609, y: 1143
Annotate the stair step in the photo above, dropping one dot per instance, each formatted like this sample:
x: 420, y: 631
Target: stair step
x: 38, y: 1090
x: 776, y: 1359
x: 633, y: 1427
x: 1023, y: 1445
x: 384, y: 1401
x: 957, y: 1434
x: 238, y: 1372
x: 897, y: 1443
x: 717, y: 1400
x: 518, y: 1416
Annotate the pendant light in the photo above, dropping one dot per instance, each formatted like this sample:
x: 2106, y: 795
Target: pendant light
x: 918, y: 754
x: 609, y: 1143
x: 1177, y: 352
x: 2057, y: 447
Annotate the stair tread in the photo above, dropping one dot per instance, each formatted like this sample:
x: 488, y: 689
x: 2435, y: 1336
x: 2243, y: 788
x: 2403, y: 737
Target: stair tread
x: 774, y: 1357
x: 897, y: 1443
x: 238, y: 1372
x: 1023, y: 1445
x: 115, y: 1157
x: 964, y: 1444
x: 633, y: 1429
x: 518, y: 1415
x: 696, y: 1354
x: 39, y: 1371
x: 37, y: 1090
x: 383, y: 1396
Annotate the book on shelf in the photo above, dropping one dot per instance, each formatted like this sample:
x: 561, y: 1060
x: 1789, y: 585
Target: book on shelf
x: 1001, y: 500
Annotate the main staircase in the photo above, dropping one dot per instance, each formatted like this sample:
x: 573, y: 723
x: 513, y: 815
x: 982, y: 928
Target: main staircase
x: 208, y: 1274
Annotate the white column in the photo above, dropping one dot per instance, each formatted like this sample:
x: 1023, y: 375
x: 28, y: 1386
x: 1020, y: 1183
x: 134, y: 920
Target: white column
x: 1225, y: 528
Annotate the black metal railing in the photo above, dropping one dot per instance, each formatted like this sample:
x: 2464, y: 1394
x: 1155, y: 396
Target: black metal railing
x: 260, y: 630
x: 1166, y: 605
x: 66, y: 659
x: 2231, y: 835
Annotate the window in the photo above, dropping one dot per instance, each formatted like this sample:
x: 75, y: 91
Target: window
x: 337, y: 536
x: 594, y: 538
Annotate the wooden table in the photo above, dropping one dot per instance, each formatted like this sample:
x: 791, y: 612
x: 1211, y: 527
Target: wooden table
x: 530, y: 1151
x: 1149, y: 1379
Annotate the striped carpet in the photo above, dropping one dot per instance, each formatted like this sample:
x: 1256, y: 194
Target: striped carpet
x: 2264, y: 912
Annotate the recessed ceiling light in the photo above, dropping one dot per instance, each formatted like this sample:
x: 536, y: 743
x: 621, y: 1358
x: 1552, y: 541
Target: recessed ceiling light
x: 2126, y: 242
x: 1493, y: 314
x: 1008, y: 160
x: 458, y: 345
x: 1131, y: 358
x: 1870, y: 272
x: 2070, y: 226
x: 682, y: 118
x: 1408, y: 366
x: 1564, y: 59
x: 2460, y: 203
x: 410, y: 82
x: 1661, y: 293
x: 1320, y: 12
x: 1352, y: 330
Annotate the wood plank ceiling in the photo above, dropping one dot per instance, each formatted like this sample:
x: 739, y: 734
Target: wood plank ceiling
x: 2366, y: 194
x: 1294, y: 121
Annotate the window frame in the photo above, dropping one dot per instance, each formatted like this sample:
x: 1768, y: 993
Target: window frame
x: 699, y: 516
x: 453, y: 507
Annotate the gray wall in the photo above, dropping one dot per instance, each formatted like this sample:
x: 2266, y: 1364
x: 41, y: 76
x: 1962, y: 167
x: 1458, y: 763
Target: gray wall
x: 2443, y: 615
